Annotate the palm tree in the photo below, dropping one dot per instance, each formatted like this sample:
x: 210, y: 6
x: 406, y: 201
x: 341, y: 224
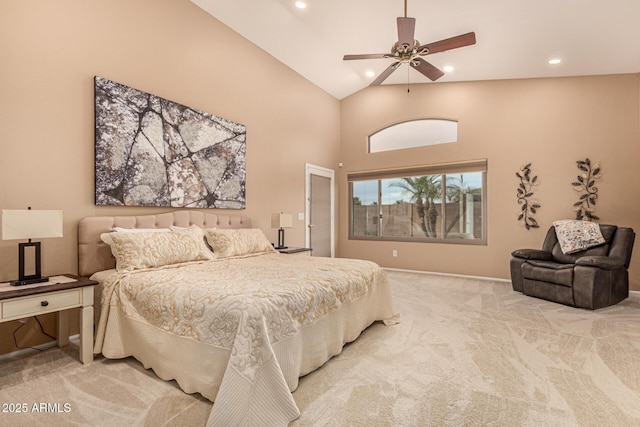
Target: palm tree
x: 423, y: 190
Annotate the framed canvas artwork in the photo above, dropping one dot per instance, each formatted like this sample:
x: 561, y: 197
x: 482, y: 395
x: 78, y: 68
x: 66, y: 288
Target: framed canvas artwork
x: 150, y: 151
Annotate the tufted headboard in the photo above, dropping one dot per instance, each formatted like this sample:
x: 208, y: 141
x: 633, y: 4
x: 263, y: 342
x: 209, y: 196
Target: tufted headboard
x: 95, y: 255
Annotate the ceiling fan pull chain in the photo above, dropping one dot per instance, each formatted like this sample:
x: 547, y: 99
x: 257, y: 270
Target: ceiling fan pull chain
x: 408, y: 77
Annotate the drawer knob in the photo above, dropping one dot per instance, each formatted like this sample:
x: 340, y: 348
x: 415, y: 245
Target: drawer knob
x: 44, y: 303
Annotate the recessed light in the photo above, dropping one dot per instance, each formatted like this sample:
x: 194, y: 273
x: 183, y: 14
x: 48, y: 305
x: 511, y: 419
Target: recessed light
x: 555, y: 61
x: 369, y: 73
x: 301, y: 5
x: 448, y: 68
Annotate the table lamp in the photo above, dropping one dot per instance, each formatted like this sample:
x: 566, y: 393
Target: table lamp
x: 281, y: 221
x: 27, y: 224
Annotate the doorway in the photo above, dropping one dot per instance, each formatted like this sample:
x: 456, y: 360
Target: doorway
x: 320, y: 210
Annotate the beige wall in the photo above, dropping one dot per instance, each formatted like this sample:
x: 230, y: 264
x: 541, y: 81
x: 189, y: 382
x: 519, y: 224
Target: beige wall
x: 50, y: 52
x: 548, y: 122
x: 173, y: 49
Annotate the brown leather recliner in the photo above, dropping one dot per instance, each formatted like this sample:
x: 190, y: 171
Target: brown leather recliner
x: 593, y: 278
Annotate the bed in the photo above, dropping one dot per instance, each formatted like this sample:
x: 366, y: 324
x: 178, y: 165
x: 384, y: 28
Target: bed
x: 239, y: 326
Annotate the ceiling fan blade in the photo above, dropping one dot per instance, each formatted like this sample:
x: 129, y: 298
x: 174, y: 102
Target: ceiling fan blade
x: 406, y: 31
x: 432, y: 72
x: 386, y: 73
x: 365, y: 56
x: 450, y: 43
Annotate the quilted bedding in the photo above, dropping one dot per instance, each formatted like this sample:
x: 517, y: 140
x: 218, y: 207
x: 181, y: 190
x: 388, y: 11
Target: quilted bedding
x: 241, y: 330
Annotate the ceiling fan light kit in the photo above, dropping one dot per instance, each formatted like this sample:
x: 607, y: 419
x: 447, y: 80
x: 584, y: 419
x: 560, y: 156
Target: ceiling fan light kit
x: 408, y: 50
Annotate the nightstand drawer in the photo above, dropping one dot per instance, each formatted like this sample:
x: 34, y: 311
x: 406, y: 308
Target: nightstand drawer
x: 40, y: 304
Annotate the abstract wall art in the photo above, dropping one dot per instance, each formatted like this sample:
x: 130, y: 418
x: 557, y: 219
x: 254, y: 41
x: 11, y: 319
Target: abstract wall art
x: 150, y: 151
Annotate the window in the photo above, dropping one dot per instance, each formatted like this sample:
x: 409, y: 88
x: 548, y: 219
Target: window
x: 436, y: 203
x: 414, y: 133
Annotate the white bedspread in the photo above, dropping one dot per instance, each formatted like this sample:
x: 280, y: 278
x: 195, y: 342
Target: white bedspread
x: 251, y: 326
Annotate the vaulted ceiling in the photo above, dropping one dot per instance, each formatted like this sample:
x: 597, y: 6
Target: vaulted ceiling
x: 515, y: 38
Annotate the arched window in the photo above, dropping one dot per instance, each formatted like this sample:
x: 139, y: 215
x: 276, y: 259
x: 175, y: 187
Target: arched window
x: 414, y: 133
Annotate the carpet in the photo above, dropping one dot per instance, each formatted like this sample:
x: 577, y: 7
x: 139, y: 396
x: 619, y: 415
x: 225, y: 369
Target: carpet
x: 468, y: 352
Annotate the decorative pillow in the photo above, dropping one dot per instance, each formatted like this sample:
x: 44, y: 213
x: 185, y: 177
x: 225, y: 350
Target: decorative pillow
x: 575, y: 236
x: 134, y: 251
x: 106, y: 237
x: 236, y: 242
x: 178, y: 228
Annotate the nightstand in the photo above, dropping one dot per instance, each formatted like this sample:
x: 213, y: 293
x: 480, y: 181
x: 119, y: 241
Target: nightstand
x: 290, y: 250
x: 59, y: 294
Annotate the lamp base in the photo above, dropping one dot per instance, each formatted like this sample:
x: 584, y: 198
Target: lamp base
x: 280, y: 239
x: 29, y: 281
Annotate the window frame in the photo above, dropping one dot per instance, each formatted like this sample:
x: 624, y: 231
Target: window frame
x: 442, y: 169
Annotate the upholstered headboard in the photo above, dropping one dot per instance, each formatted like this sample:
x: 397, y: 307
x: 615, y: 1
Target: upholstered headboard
x: 95, y: 255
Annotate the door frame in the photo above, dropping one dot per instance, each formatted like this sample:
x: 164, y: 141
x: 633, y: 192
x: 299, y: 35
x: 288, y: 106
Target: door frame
x: 311, y: 169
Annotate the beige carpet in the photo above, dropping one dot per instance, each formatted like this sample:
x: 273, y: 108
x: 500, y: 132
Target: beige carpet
x: 467, y: 353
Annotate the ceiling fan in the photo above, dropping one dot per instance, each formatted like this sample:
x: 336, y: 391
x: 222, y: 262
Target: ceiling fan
x: 408, y: 50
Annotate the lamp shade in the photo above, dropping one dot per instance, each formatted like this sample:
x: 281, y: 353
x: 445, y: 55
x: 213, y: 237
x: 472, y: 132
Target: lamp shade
x: 281, y: 220
x: 31, y: 224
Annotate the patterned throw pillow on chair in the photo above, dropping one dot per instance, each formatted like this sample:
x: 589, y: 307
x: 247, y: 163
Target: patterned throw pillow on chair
x: 575, y: 236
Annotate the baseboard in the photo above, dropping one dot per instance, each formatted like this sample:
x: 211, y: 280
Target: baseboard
x: 492, y: 279
x: 41, y: 347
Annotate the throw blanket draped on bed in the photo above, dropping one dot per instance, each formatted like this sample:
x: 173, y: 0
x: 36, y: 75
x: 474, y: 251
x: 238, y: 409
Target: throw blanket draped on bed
x: 247, y: 320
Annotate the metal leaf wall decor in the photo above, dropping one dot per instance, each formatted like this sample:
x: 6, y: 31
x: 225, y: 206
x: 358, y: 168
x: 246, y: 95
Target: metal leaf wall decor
x: 589, y: 173
x: 525, y: 194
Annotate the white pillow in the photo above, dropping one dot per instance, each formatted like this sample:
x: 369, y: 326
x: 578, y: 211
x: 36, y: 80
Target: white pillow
x: 140, y: 250
x: 227, y: 242
x: 141, y: 230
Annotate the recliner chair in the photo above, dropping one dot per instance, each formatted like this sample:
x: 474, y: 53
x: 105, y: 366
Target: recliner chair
x: 593, y: 278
